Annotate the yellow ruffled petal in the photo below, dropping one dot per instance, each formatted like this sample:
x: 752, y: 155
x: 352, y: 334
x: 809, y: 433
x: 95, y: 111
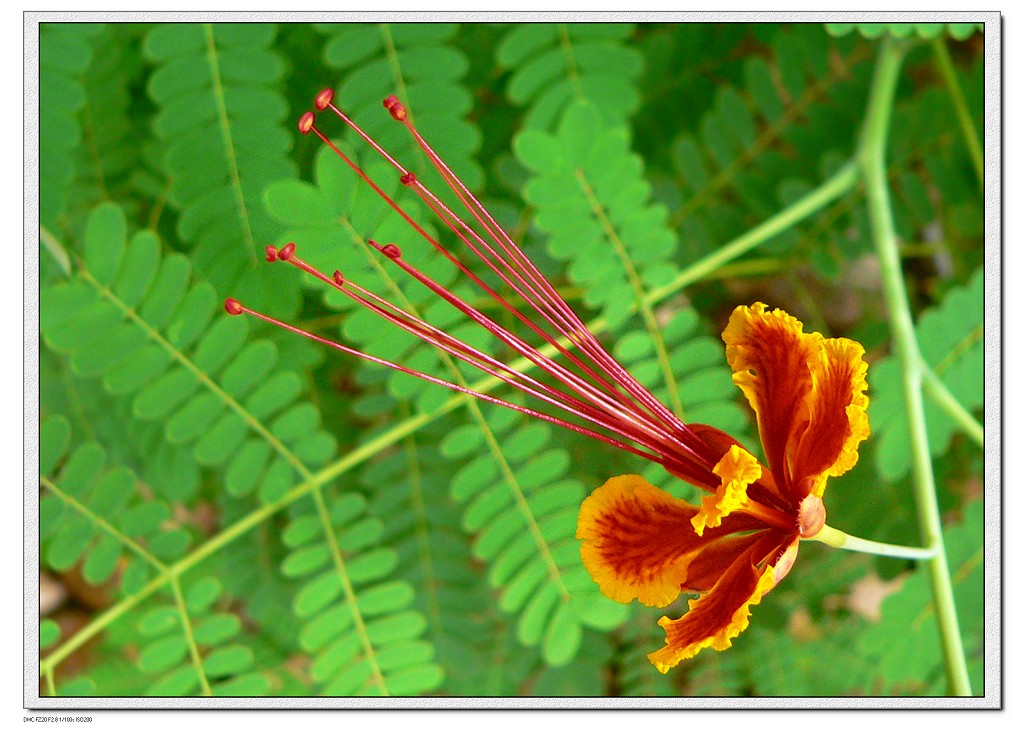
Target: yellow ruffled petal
x: 770, y: 355
x: 837, y: 413
x: 719, y: 621
x: 737, y: 468
x: 807, y: 392
x: 636, y: 540
x: 716, y: 618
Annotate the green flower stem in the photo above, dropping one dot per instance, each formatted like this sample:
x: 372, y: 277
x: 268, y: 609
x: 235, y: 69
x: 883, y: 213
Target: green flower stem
x: 871, y: 156
x: 956, y: 94
x: 946, y: 401
x: 837, y: 539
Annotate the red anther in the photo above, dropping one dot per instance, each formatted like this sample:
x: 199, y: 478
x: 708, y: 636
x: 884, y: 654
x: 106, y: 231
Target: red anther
x: 233, y: 306
x: 391, y: 251
x: 323, y: 99
x: 338, y: 279
x: 408, y: 178
x: 286, y: 251
x: 306, y: 122
x: 396, y: 108
x: 271, y: 252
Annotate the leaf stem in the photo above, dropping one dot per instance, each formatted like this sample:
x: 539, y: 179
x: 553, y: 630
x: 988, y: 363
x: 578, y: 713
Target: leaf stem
x: 871, y: 157
x: 840, y: 183
x: 946, y: 401
x: 52, y: 245
x: 190, y: 639
x: 837, y: 539
x: 956, y: 94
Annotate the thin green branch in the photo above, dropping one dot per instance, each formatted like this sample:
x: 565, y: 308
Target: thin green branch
x: 945, y: 400
x: 871, y: 156
x: 956, y: 94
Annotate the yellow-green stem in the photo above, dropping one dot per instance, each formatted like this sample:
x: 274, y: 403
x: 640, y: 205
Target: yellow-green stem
x: 871, y: 157
x: 956, y: 95
x: 837, y: 539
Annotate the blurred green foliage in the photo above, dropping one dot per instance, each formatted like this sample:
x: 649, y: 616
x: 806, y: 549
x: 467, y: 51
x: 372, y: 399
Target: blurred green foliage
x: 232, y: 510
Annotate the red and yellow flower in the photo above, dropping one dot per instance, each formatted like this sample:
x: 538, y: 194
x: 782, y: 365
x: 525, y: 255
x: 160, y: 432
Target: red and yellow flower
x: 641, y: 543
x: 638, y: 542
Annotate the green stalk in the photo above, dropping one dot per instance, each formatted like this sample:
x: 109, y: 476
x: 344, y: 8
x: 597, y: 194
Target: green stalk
x: 956, y: 94
x: 837, y: 539
x: 871, y: 156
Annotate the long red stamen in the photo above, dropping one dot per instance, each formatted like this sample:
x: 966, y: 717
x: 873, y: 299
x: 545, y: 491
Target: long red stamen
x: 542, y: 361
x: 572, y: 330
x: 595, y: 387
x: 548, y: 302
x: 607, y: 417
x: 234, y: 307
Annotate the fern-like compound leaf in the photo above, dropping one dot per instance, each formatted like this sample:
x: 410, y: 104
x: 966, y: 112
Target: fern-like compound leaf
x: 132, y: 318
x: 65, y: 52
x: 555, y: 65
x: 357, y: 623
x: 418, y: 63
x: 223, y: 121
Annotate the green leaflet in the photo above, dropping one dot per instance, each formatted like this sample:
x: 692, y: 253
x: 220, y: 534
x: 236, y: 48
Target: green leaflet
x: 951, y: 342
x: 958, y: 31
